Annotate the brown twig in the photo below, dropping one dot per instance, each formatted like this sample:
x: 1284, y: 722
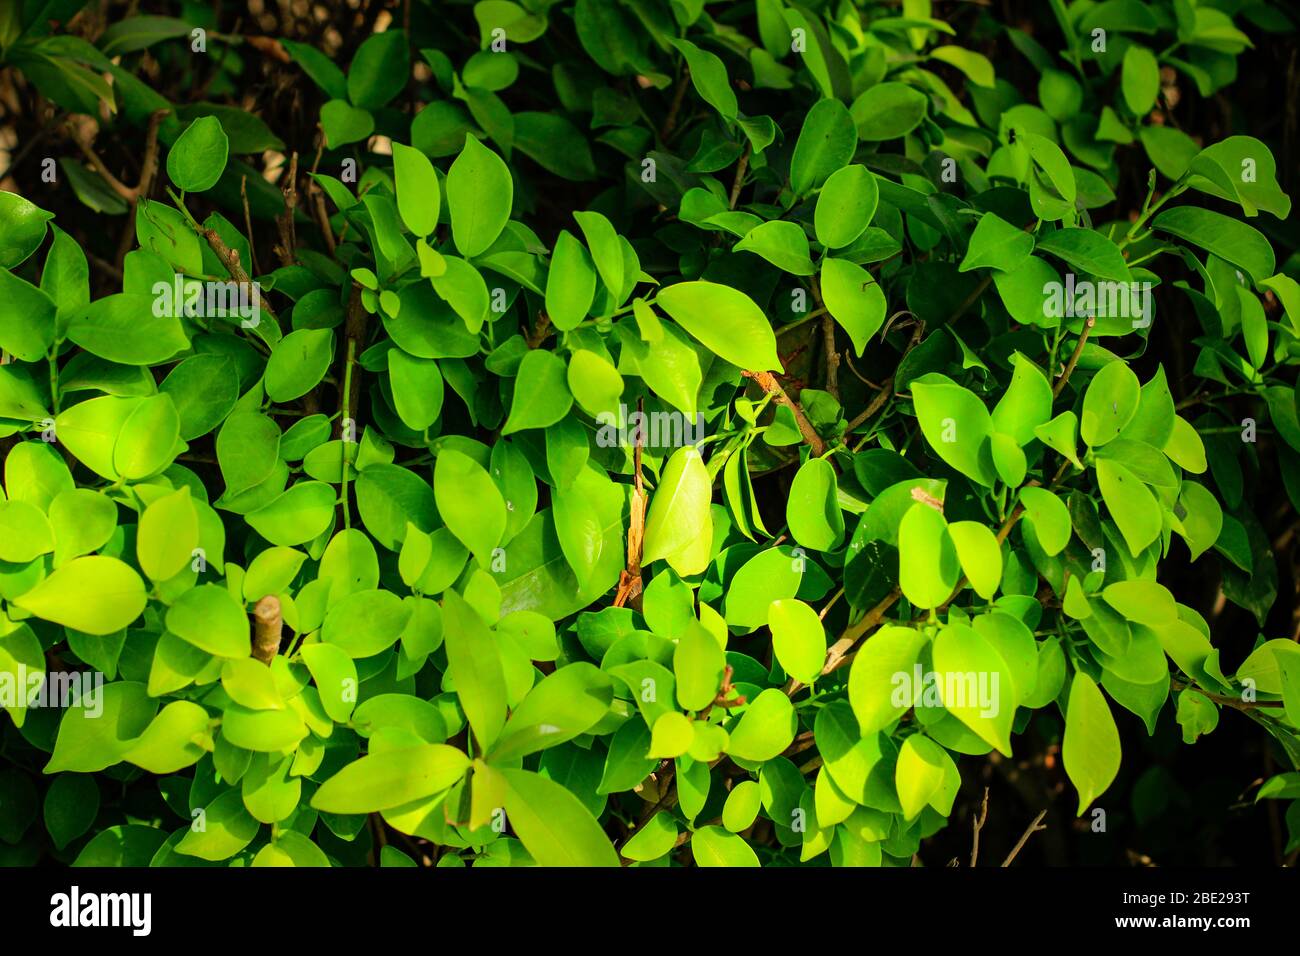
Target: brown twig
x: 629, y: 580
x: 767, y: 381
x: 248, y: 224
x: 269, y: 46
x: 540, y: 331
x: 287, y: 249
x: 1024, y: 837
x: 268, y: 628
x: 148, y: 169
x: 977, y: 824
x: 741, y: 166
x: 678, y: 95
x: 230, y: 259
x: 1074, y: 357
x: 1233, y: 702
x: 836, y: 653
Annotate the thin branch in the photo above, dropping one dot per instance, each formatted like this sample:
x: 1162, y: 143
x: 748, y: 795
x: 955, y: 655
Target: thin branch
x: 769, y: 384
x: 629, y: 582
x: 836, y: 653
x: 1225, y: 701
x: 317, y: 197
x: 678, y: 95
x: 287, y: 249
x: 1074, y: 357
x: 1024, y: 838
x: 739, y: 181
x: 977, y: 824
x: 248, y: 224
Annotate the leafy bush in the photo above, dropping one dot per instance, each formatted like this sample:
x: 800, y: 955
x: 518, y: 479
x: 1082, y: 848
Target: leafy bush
x: 666, y: 433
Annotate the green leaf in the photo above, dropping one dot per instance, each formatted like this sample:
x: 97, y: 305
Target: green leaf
x: 555, y: 143
x: 296, y: 516
x: 928, y: 565
x: 419, y: 196
x: 975, y: 684
x: 594, y: 382
x: 366, y: 623
x: 336, y: 679
x: 1048, y: 157
x: 873, y: 678
x: 381, y: 781
x: 652, y: 839
x: 957, y: 426
x: 1048, y: 516
x: 98, y: 728
x: 725, y: 320
x: 845, y: 206
x: 71, y: 806
x: 210, y: 619
x: 167, y: 535
x: 125, y: 328
x: 997, y: 244
x: 475, y: 667
x: 227, y: 829
x: 553, y: 825
x: 976, y: 66
x: 344, y: 123
x: 1026, y: 404
x: 541, y: 395
x: 248, y: 450
x: 27, y: 317
x: 1240, y: 169
x: 25, y: 532
x: 22, y: 228
x: 854, y: 299
x: 1242, y: 245
x: 1087, y: 251
x: 95, y: 594
x: 417, y: 389
x: 1133, y: 507
x: 198, y: 158
x: 1140, y: 79
x: 671, y: 736
x: 979, y: 554
x: 715, y: 846
x: 570, y: 282
x: 679, y: 522
x: 812, y: 509
x: 709, y: 77
x: 698, y: 663
x: 563, y: 705
x: 379, y: 69
x: 1109, y: 403
x: 766, y: 727
x: 204, y: 390
x: 888, y: 111
x: 781, y: 243
x: 606, y: 250
x: 480, y: 193
x: 826, y: 143
x: 798, y: 639
x: 1091, y: 749
x: 175, y: 739
x: 922, y: 768
x: 470, y: 503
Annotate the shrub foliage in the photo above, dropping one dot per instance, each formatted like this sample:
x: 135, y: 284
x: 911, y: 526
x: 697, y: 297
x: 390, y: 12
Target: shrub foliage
x: 629, y: 431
